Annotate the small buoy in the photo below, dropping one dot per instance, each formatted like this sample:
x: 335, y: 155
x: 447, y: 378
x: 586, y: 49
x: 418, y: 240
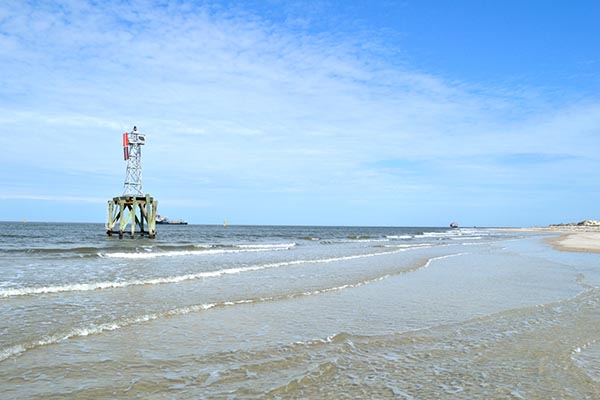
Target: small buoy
x: 225, y: 224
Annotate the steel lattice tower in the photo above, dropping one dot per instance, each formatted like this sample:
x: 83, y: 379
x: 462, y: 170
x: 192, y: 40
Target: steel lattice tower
x: 132, y: 153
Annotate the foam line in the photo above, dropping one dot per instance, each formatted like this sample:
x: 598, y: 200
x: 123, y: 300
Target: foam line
x: 18, y: 349
x: 82, y: 287
x: 243, y: 248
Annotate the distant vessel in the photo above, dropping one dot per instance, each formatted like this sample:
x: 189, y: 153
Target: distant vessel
x: 224, y: 224
x: 454, y: 225
x: 166, y: 221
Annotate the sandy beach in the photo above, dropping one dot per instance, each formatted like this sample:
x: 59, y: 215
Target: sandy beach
x: 572, y: 238
x: 585, y: 239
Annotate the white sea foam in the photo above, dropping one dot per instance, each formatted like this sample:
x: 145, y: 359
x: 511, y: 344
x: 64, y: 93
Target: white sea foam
x: 475, y: 244
x: 121, y: 284
x: 15, y: 350
x: 452, y: 234
x: 579, y: 349
x: 242, y: 248
x: 399, y: 236
x: 284, y: 246
x: 358, y: 240
x: 191, y: 309
x: 438, y: 234
x: 77, y: 287
x: 408, y: 246
x: 428, y: 263
x: 75, y: 332
x: 12, y: 351
x: 467, y: 238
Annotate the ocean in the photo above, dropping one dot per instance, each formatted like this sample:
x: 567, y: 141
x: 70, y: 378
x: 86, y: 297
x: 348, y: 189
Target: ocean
x: 280, y: 312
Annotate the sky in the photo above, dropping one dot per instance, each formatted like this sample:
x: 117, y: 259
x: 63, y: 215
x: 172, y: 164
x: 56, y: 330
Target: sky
x: 378, y: 113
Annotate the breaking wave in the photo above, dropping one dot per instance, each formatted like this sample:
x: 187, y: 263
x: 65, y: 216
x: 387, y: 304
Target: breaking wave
x: 94, y: 329
x: 77, y: 287
x: 201, y: 250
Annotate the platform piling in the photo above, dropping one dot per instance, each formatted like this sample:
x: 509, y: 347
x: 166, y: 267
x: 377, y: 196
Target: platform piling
x: 139, y: 212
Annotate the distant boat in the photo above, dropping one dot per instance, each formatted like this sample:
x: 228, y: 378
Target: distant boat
x: 454, y: 225
x: 224, y: 224
x: 166, y: 221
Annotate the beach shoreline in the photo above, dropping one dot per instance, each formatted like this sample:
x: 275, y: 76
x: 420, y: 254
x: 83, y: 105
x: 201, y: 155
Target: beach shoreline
x: 440, y: 313
x: 584, y: 239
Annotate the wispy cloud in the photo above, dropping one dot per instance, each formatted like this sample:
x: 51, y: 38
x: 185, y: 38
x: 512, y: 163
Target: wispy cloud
x: 68, y: 199
x: 524, y: 159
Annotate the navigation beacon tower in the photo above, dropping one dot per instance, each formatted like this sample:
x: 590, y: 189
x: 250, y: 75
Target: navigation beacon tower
x: 133, y: 207
x: 132, y: 153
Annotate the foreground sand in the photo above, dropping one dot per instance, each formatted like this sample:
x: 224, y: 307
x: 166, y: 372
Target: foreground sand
x: 572, y: 238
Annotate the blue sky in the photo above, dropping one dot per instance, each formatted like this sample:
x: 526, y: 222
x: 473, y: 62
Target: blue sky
x: 292, y: 112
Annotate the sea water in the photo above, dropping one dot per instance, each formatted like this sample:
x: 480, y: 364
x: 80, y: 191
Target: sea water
x: 295, y: 312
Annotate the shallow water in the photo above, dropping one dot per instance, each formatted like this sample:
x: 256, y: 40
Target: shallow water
x: 295, y: 312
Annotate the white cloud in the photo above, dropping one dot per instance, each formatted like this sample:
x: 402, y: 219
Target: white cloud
x: 233, y: 101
